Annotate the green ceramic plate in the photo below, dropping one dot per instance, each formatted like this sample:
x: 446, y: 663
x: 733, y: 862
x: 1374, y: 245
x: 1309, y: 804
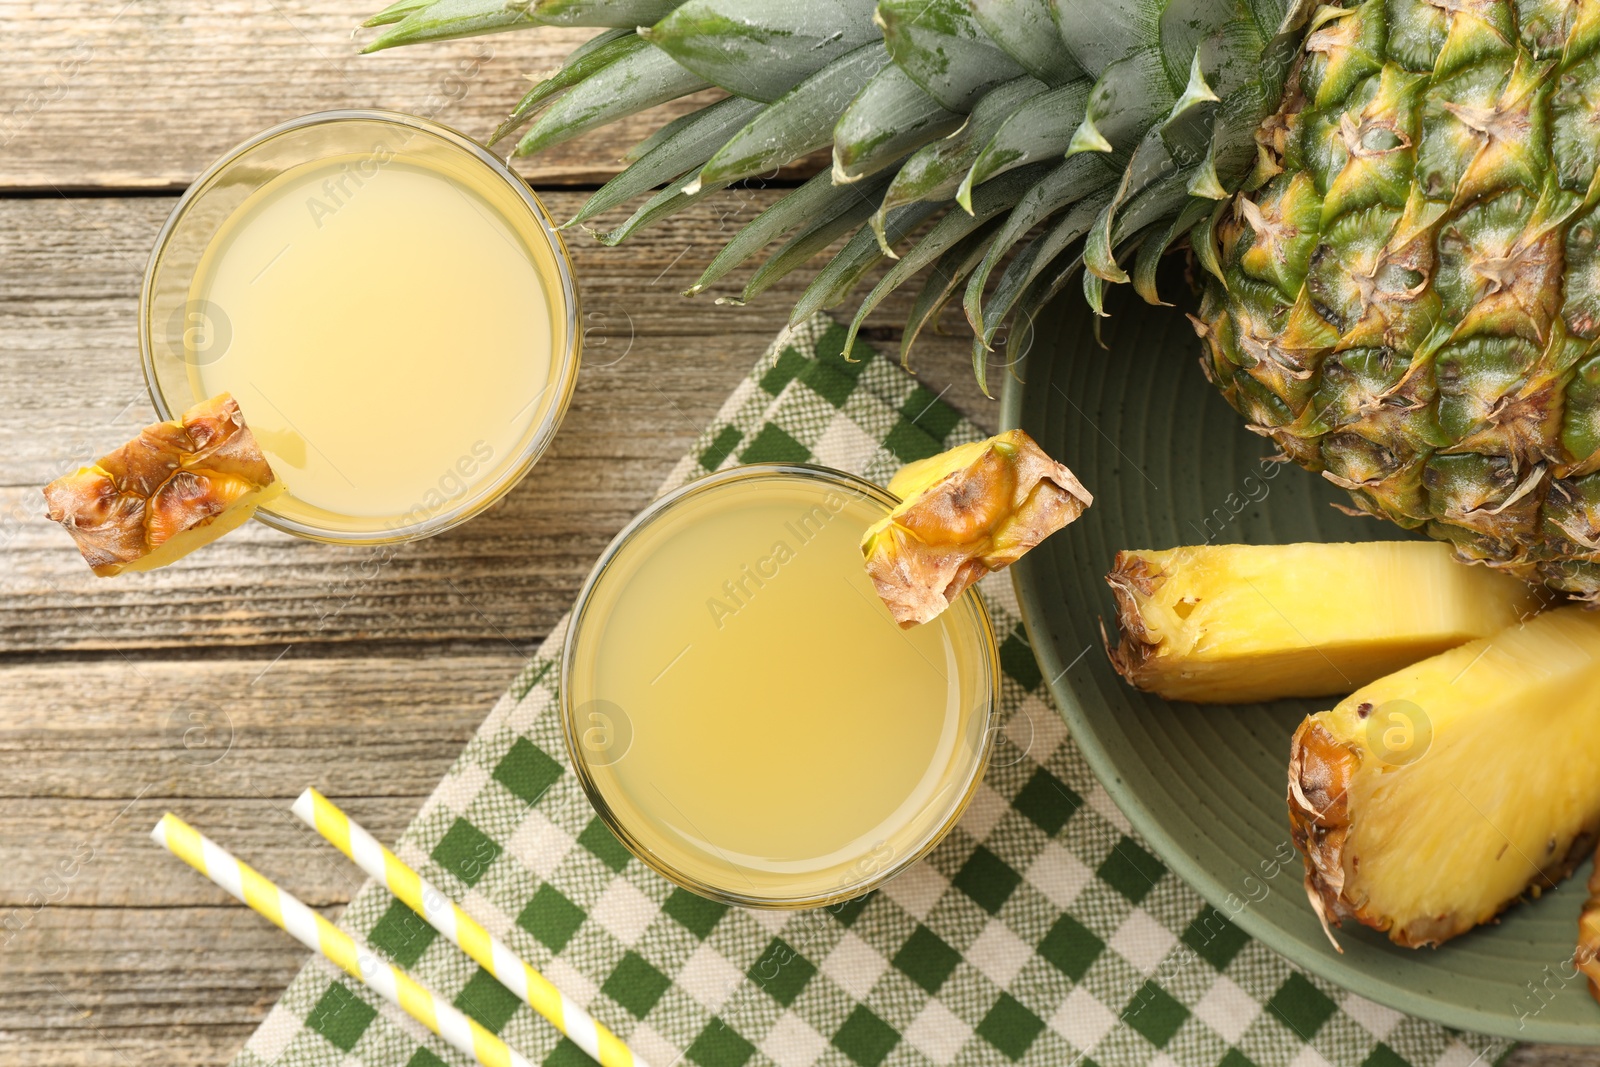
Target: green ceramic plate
x: 1170, y: 463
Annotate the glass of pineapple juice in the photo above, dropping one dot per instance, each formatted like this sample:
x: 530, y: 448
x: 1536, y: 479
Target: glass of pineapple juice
x: 389, y: 304
x: 741, y: 708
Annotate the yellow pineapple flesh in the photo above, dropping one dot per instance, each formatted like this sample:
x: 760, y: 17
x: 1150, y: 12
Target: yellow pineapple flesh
x: 176, y: 486
x: 1430, y: 800
x: 964, y: 513
x: 1239, y: 623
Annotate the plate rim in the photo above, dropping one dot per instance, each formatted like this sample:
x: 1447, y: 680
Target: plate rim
x: 1431, y: 1008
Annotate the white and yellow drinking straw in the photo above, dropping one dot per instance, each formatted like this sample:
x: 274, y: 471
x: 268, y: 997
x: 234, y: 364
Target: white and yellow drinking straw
x: 345, y: 834
x: 319, y: 935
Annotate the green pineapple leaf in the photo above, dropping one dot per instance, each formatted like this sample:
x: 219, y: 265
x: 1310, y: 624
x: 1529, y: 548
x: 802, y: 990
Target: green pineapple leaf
x: 1035, y: 259
x: 859, y: 255
x: 891, y: 117
x: 941, y: 282
x: 1094, y: 294
x: 1040, y: 128
x: 588, y: 58
x: 817, y: 235
x: 619, y: 14
x: 991, y: 200
x: 942, y: 48
x: 1184, y: 26
x: 798, y: 122
x: 1151, y: 162
x: 1150, y: 253
x: 638, y: 80
x: 693, y: 139
x: 1099, y: 34
x: 817, y: 206
x: 669, y: 200
x: 934, y: 172
x: 395, y: 12
x: 1025, y: 306
x: 1141, y: 218
x: 762, y: 48
x: 1130, y: 95
x: 449, y: 20
x: 1203, y: 239
x: 1186, y: 131
x: 1069, y: 182
x: 1025, y: 30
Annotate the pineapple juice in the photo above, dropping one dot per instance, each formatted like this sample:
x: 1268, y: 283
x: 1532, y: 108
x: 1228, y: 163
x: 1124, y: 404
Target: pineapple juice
x: 384, y: 320
x: 745, y: 711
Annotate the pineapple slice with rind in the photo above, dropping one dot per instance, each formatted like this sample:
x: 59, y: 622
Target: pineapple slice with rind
x: 964, y: 513
x: 176, y: 486
x: 1240, y: 623
x: 1432, y: 799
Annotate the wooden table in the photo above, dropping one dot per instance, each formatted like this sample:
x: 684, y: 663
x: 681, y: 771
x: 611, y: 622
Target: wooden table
x: 222, y: 686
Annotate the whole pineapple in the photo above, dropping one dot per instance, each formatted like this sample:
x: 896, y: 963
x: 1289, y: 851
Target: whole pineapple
x: 1410, y: 306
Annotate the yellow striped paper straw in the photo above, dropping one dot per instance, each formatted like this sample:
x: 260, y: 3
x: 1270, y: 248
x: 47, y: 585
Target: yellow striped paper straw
x: 494, y: 955
x: 319, y: 935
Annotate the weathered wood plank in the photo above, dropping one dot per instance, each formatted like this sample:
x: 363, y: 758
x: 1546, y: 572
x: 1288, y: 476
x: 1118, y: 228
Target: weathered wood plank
x: 113, y: 953
x: 111, y: 987
x: 90, y: 1045
x: 148, y: 93
x: 78, y: 854
x: 92, y: 754
x: 133, y: 1047
x: 658, y: 367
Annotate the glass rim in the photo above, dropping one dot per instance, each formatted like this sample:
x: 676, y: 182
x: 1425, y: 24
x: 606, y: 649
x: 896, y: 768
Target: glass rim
x: 656, y: 509
x: 567, y: 362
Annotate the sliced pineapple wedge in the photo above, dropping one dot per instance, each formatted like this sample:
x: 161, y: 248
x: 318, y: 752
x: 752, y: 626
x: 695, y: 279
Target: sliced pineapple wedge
x: 177, y: 486
x: 964, y: 513
x: 1428, y: 801
x: 1240, y: 623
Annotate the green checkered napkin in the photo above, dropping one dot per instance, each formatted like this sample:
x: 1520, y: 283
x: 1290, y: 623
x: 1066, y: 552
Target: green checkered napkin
x: 1041, y: 932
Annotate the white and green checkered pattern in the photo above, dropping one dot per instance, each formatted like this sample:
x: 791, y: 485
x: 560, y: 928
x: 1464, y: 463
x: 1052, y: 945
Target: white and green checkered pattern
x: 1041, y: 932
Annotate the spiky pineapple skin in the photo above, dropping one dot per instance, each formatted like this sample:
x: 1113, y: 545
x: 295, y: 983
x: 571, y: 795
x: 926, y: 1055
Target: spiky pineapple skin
x: 1411, y: 305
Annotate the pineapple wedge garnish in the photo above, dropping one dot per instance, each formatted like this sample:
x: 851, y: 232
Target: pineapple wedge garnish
x: 1428, y: 801
x: 964, y: 513
x: 1239, y: 623
x: 177, y: 486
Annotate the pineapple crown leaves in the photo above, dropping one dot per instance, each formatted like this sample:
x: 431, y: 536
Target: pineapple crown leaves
x: 1038, y: 136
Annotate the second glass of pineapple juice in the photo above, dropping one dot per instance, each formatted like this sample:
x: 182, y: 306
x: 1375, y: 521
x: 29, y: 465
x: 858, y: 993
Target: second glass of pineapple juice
x: 742, y: 709
x: 389, y: 305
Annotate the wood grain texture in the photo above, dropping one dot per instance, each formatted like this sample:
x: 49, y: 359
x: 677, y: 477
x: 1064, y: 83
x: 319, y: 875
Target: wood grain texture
x: 120, y: 986
x: 146, y: 93
x: 112, y: 951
